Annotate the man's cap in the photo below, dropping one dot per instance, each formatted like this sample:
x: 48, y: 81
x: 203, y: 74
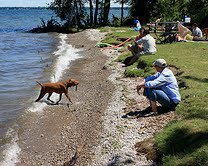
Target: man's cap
x: 160, y: 63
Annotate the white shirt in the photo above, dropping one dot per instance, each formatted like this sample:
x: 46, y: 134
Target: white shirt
x: 148, y: 43
x: 197, y: 32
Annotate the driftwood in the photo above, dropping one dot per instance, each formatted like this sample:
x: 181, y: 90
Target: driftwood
x: 73, y: 160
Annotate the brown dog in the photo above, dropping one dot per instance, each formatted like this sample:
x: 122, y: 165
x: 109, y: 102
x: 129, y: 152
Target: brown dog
x: 205, y: 32
x: 58, y: 87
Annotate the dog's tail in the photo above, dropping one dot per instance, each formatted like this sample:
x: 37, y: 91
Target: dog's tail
x: 39, y: 83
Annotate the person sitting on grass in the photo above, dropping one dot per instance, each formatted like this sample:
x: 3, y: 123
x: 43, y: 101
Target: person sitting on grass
x: 146, y: 45
x: 184, y: 34
x: 140, y: 35
x: 161, y: 87
x: 137, y: 24
x: 196, y: 31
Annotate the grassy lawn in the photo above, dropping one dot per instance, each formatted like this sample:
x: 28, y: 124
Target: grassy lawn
x: 182, y: 142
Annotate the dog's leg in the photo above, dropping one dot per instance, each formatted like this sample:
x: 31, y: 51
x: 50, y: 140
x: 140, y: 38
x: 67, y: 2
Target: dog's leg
x: 48, y: 98
x: 42, y: 93
x: 66, y: 94
x: 59, y: 99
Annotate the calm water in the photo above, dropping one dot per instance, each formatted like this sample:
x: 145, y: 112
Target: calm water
x: 24, y: 58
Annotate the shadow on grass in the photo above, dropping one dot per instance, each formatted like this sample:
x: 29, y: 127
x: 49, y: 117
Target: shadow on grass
x: 181, y: 142
x: 204, y: 80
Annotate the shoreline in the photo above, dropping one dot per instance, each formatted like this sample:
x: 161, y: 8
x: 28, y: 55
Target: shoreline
x: 51, y: 137
x: 95, y: 119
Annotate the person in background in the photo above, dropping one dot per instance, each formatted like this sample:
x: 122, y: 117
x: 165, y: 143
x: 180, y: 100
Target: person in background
x: 140, y: 35
x: 184, y: 34
x: 158, y: 19
x: 146, y: 45
x: 196, y: 31
x: 137, y: 24
x: 154, y: 24
x: 161, y: 87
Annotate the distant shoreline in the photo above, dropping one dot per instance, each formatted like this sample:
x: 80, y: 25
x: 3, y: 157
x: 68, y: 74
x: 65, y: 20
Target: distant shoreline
x: 39, y: 7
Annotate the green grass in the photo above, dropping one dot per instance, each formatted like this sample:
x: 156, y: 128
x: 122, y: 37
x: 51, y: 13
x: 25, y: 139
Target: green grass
x: 183, y: 142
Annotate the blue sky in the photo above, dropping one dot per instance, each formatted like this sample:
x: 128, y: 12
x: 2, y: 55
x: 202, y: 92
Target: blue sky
x: 24, y: 3
x: 30, y: 3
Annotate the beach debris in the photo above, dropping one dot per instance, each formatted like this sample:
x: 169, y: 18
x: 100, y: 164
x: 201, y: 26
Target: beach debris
x: 79, y: 46
x: 73, y: 160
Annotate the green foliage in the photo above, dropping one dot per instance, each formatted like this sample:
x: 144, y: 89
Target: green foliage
x: 177, y: 9
x: 171, y: 10
x: 116, y: 22
x: 74, y: 14
x: 142, y: 9
x: 199, y: 11
x: 52, y: 23
x: 70, y: 11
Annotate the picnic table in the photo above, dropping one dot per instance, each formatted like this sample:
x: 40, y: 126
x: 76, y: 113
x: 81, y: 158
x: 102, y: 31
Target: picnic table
x: 166, y: 32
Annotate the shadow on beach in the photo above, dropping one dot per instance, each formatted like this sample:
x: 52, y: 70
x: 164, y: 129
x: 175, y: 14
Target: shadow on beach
x: 147, y: 112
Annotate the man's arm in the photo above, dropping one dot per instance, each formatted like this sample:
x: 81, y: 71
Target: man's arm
x: 142, y: 40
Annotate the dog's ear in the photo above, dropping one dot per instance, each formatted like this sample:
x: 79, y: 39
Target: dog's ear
x: 72, y: 82
x: 69, y: 81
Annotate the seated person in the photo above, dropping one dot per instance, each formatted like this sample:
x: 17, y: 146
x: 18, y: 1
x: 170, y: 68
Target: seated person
x: 140, y: 35
x: 161, y: 87
x: 182, y: 32
x: 196, y: 31
x: 146, y: 45
x: 185, y: 34
x: 153, y: 24
x: 137, y: 24
x: 156, y: 25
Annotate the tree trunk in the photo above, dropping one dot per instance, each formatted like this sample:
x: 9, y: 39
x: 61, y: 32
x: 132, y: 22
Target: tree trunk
x: 122, y: 11
x: 91, y: 13
x: 106, y: 11
x: 96, y: 11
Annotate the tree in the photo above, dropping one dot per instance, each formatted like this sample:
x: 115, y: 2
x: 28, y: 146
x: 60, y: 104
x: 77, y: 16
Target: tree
x: 198, y: 11
x: 96, y: 11
x: 91, y: 12
x: 71, y: 11
x: 176, y: 10
x: 122, y: 2
x: 172, y: 10
x: 106, y: 11
x: 142, y: 9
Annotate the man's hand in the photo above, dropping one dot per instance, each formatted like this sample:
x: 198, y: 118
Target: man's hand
x: 140, y: 85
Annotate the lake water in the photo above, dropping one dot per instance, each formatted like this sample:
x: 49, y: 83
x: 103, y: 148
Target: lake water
x: 25, y: 58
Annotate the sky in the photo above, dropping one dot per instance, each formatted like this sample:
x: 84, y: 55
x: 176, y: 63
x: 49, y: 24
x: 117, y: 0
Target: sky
x: 24, y: 3
x: 30, y: 3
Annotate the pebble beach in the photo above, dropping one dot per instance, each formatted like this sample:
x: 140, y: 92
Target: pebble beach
x: 95, y: 121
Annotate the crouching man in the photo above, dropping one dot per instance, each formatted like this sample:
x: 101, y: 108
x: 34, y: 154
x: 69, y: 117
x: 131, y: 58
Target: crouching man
x: 161, y: 87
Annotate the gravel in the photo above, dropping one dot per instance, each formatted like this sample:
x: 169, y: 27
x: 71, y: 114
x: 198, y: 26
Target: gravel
x: 95, y: 120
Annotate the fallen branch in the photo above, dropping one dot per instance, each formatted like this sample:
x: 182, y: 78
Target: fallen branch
x: 73, y: 160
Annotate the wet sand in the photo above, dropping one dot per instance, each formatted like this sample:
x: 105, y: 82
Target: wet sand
x: 50, y: 137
